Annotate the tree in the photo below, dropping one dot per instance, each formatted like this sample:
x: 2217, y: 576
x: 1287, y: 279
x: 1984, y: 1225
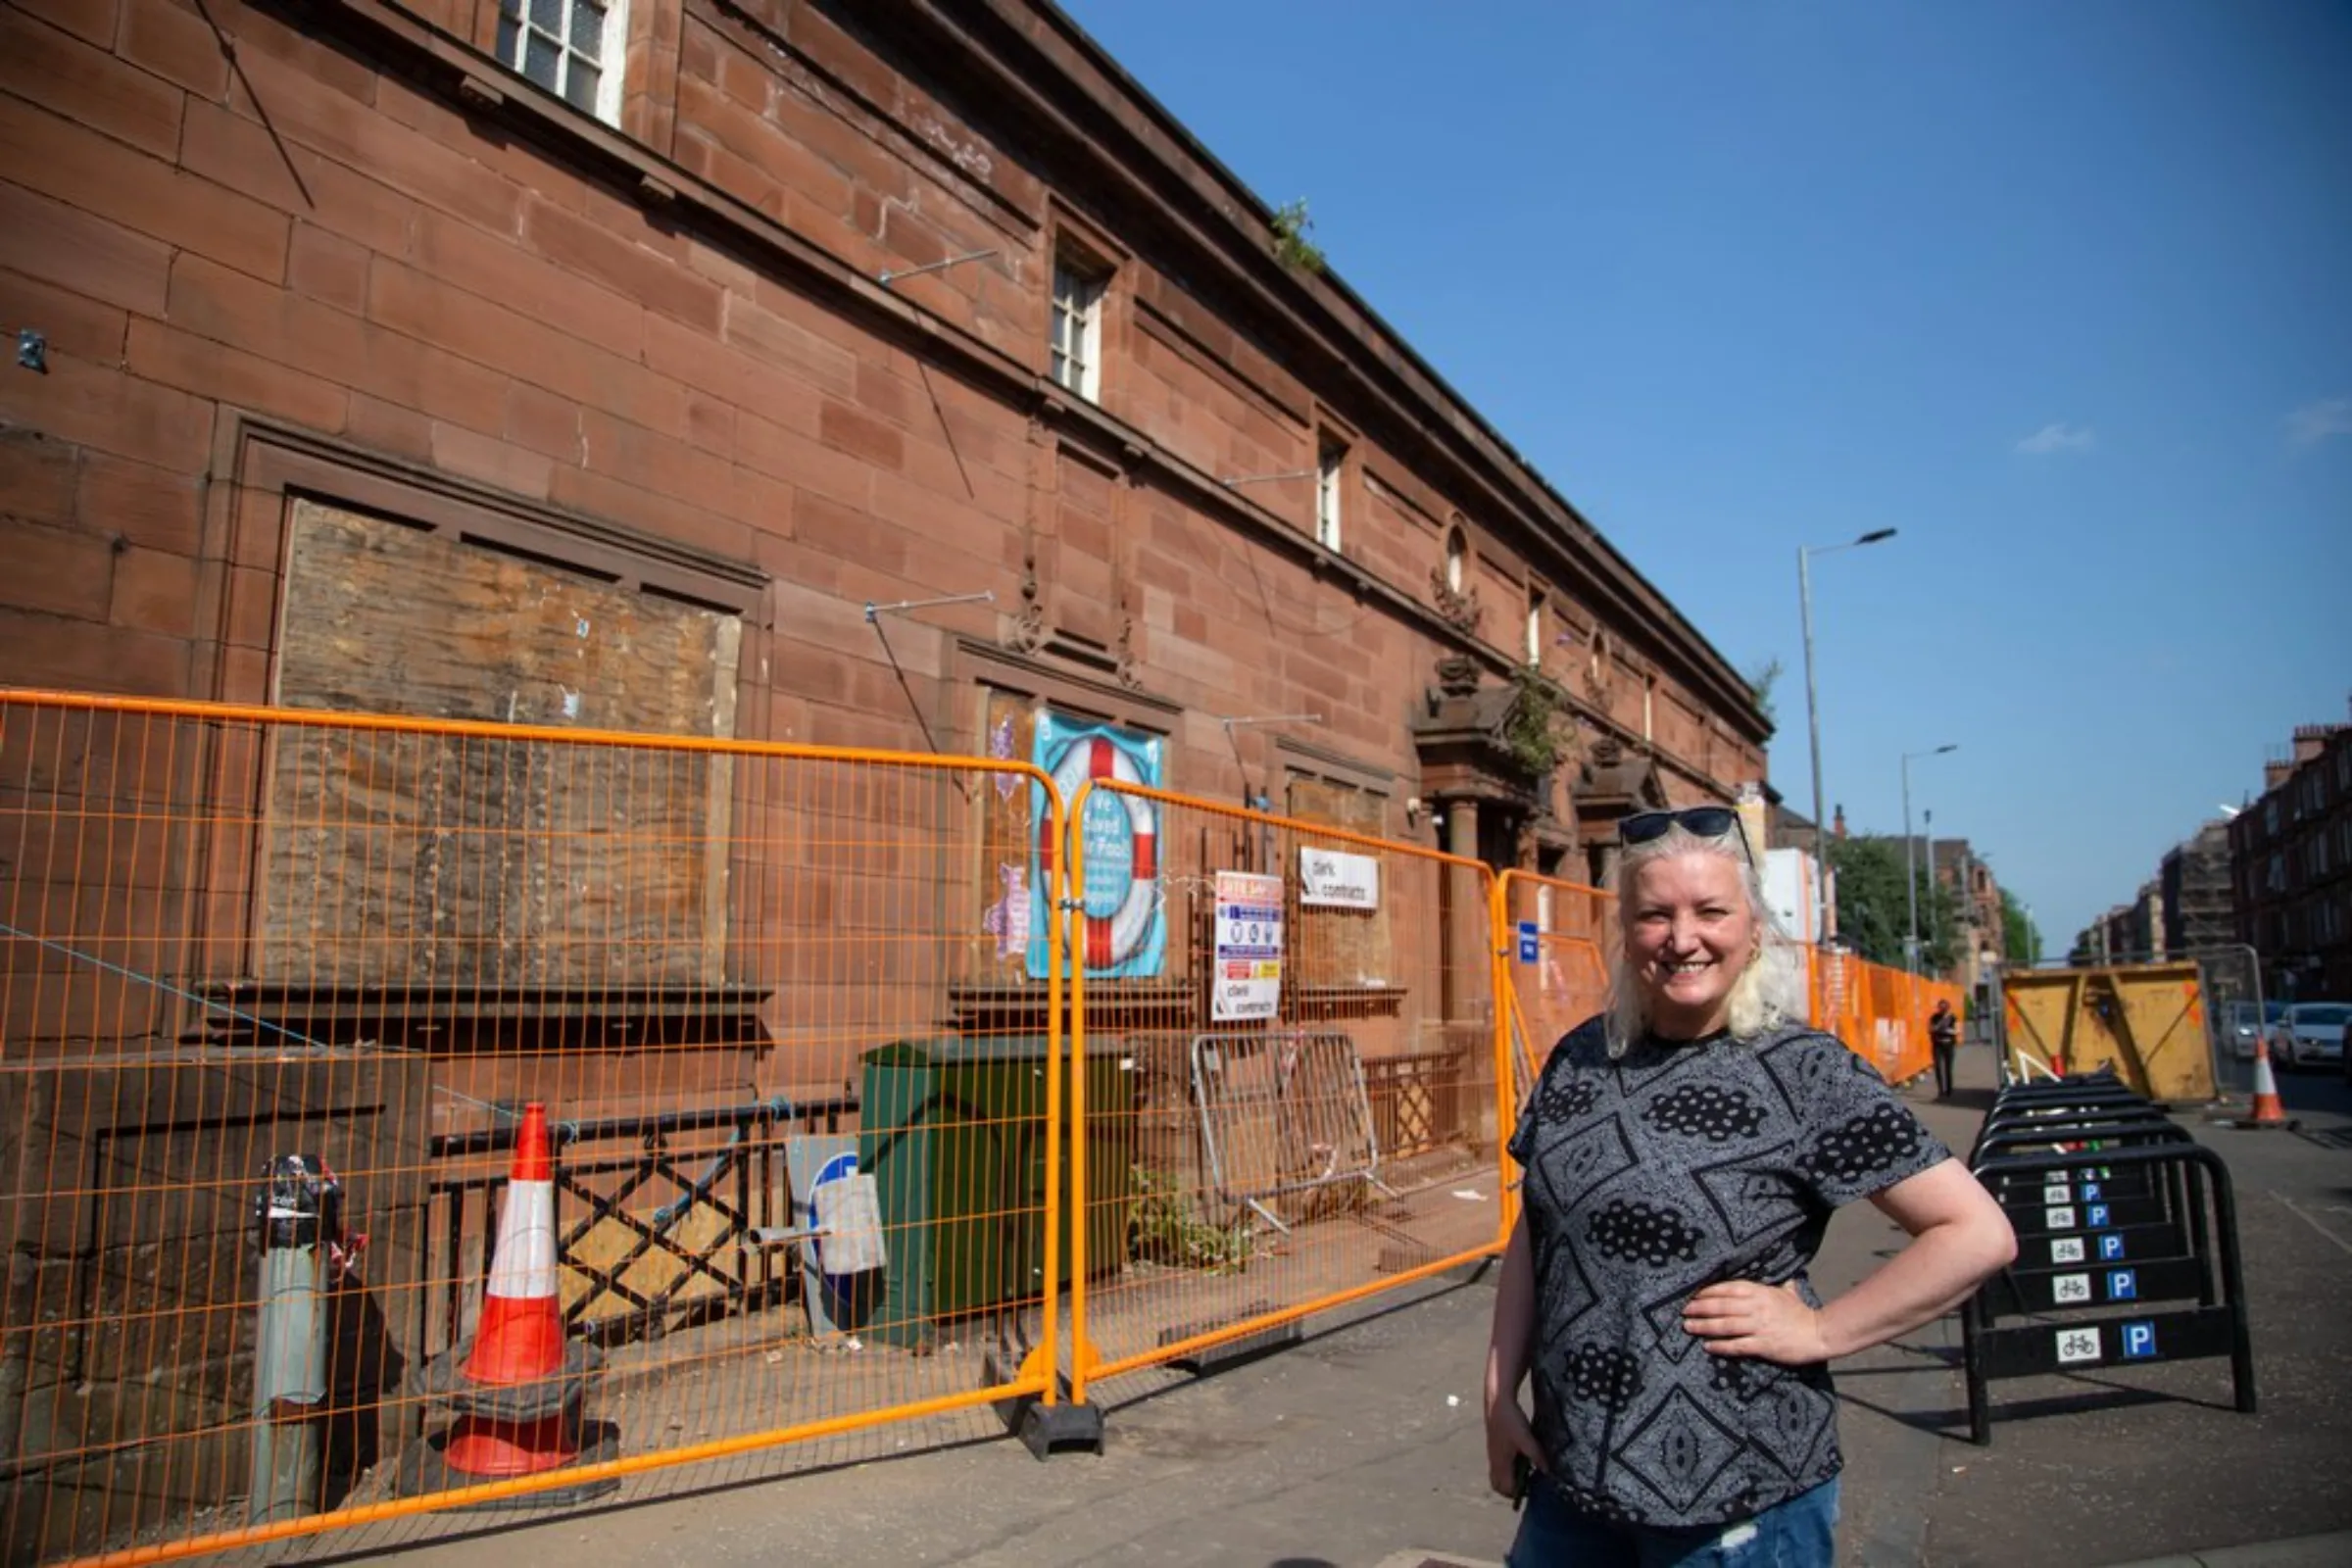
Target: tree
x: 1873, y: 915
x: 2021, y: 938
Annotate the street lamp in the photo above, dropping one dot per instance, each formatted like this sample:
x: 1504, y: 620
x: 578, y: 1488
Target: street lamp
x: 1926, y: 843
x: 1910, y: 876
x: 1821, y: 825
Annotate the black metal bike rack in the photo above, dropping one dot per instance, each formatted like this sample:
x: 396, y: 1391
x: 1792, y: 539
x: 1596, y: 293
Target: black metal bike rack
x: 2128, y: 1249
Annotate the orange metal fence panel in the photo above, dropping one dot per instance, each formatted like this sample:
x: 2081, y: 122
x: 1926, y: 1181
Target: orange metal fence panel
x: 1556, y: 943
x: 1556, y: 938
x: 1306, y: 1105
x: 1877, y: 1010
x: 230, y: 936
x: 829, y: 1145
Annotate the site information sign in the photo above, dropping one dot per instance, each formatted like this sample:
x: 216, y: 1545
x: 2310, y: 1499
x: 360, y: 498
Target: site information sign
x: 1327, y: 877
x: 1248, y: 980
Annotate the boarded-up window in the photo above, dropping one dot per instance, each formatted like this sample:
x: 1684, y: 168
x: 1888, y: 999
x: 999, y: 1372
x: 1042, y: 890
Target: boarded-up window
x: 394, y: 858
x: 1335, y: 947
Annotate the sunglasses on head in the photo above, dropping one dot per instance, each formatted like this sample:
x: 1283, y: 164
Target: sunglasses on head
x: 1699, y: 821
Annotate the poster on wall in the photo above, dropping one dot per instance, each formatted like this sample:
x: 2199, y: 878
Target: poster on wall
x: 1248, y: 976
x: 1122, y: 931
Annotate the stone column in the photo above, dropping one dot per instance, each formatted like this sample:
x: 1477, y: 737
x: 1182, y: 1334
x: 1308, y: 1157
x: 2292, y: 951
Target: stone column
x: 1466, y: 933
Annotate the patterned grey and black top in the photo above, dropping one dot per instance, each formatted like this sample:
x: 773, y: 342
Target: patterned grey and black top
x: 1674, y: 1167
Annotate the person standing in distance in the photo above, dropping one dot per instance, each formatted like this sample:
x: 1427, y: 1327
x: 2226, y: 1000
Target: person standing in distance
x: 1944, y: 1038
x: 1682, y: 1154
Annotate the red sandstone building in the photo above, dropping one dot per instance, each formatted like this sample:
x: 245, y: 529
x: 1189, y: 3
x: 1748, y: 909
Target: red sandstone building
x: 600, y: 370
x: 757, y: 314
x: 419, y: 361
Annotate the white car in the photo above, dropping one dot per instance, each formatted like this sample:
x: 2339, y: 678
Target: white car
x: 2310, y: 1031
x: 2242, y: 1025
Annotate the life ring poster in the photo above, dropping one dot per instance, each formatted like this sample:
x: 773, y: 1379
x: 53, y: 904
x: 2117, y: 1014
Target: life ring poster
x: 1122, y: 929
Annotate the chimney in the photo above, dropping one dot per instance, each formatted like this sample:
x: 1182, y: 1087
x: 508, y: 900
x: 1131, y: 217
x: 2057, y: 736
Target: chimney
x: 1837, y: 820
x: 2275, y: 773
x: 2311, y: 739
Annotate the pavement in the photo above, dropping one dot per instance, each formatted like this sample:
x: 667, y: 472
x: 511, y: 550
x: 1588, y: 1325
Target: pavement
x: 1361, y: 1445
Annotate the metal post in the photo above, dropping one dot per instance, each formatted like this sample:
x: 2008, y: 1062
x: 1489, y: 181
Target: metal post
x: 1964, y: 892
x: 295, y: 1215
x: 1821, y: 826
x: 1927, y: 836
x: 1910, y: 877
x: 1910, y: 858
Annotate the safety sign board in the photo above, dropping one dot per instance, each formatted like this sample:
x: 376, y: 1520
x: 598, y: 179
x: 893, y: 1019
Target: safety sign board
x: 1249, y: 956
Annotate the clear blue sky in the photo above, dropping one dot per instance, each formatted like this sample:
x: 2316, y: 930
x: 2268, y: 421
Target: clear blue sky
x: 2063, y: 292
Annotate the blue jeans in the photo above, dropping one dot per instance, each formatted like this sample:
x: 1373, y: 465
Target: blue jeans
x: 1800, y: 1532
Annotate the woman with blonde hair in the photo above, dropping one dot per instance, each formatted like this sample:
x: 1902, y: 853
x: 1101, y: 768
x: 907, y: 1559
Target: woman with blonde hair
x: 1683, y: 1155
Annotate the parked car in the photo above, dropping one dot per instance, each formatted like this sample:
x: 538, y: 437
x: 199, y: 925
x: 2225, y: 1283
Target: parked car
x: 2310, y: 1031
x: 2242, y: 1025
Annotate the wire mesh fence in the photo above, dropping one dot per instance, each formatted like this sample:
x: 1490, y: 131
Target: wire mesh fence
x: 403, y: 1117
x: 276, y: 989
x: 1559, y: 937
x: 1307, y: 1112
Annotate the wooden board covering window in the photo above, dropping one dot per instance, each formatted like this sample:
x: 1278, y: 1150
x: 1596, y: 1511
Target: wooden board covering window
x: 395, y: 858
x: 1334, y: 946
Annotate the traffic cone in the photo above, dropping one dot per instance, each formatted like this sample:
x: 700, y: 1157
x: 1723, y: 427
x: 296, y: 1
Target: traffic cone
x: 2268, y: 1110
x: 522, y: 1337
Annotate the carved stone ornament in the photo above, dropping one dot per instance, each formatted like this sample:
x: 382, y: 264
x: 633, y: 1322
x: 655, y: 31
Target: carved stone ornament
x: 1606, y: 752
x: 1125, y: 651
x: 1028, y: 633
x: 1457, y: 675
x: 1458, y: 609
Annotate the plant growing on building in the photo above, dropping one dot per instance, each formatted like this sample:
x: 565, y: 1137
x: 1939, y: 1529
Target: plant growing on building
x: 1531, y: 730
x: 1291, y: 225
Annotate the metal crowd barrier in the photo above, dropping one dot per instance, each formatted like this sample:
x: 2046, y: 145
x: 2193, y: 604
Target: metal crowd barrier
x: 1283, y: 1113
x: 2128, y: 1250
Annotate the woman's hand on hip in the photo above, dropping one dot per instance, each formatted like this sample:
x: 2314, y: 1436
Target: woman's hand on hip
x: 1509, y: 1438
x: 1766, y: 1322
